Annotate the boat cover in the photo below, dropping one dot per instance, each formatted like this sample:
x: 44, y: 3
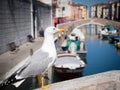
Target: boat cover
x: 70, y: 62
x: 111, y: 28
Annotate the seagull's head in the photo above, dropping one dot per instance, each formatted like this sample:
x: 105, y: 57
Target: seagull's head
x: 51, y: 30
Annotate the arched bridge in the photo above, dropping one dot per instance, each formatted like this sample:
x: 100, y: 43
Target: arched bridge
x: 73, y: 24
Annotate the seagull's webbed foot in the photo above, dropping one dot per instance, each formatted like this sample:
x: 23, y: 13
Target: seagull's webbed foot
x: 42, y: 79
x: 44, y: 86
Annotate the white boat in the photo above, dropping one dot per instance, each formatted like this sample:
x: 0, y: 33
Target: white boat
x: 106, y: 31
x: 68, y: 65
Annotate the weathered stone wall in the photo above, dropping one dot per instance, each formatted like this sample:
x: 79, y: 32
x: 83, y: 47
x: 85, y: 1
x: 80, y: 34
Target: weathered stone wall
x: 15, y: 22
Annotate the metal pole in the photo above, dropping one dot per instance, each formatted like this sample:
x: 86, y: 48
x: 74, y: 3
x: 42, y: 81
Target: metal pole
x: 52, y: 13
x: 32, y: 18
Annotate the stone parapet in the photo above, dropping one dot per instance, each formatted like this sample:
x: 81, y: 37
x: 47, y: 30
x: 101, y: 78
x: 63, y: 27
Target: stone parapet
x: 103, y: 81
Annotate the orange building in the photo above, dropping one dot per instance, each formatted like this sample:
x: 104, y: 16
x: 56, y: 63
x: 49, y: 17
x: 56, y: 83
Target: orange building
x: 79, y: 11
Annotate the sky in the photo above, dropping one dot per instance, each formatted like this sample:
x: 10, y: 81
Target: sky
x: 90, y: 2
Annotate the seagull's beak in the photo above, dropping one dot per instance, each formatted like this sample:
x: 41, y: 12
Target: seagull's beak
x: 61, y: 30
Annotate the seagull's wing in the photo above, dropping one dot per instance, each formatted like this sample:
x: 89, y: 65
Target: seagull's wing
x: 38, y: 63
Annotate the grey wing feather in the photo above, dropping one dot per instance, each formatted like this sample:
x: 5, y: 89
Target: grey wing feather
x: 38, y: 63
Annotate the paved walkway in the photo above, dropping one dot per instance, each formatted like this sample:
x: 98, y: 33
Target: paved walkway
x: 9, y: 60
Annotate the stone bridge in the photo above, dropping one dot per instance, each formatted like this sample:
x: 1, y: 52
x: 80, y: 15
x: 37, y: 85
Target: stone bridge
x: 73, y: 24
x: 69, y: 26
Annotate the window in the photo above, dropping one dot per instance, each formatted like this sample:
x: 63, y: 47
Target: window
x: 63, y: 8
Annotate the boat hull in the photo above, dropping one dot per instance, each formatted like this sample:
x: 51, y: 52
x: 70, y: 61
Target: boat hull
x: 69, y: 66
x: 104, y: 37
x: 67, y: 73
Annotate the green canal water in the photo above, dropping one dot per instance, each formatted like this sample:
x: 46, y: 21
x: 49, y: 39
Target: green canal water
x: 101, y: 57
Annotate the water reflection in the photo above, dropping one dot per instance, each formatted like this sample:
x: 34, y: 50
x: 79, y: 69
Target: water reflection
x: 92, y: 30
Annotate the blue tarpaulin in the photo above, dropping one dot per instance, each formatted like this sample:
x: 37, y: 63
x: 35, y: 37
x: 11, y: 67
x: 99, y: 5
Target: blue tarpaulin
x: 110, y: 27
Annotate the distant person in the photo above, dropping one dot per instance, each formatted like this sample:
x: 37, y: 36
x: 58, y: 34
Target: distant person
x: 64, y: 47
x: 77, y: 42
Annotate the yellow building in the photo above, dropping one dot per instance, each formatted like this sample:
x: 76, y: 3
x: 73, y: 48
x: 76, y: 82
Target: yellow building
x: 84, y: 11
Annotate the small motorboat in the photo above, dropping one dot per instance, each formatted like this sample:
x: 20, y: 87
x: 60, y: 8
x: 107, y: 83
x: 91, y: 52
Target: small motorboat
x: 69, y: 65
x: 103, y: 33
x: 114, y: 38
x: 106, y: 31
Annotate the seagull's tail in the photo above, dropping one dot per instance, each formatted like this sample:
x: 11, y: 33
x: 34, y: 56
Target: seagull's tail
x: 14, y: 78
x: 17, y: 84
x: 9, y: 81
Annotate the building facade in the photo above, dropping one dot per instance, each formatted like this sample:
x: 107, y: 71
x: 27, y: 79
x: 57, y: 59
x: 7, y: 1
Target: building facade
x: 93, y: 12
x: 64, y: 8
x: 70, y: 11
x: 84, y: 11
x: 106, y: 11
x: 110, y: 10
x: 99, y: 10
x: 20, y: 18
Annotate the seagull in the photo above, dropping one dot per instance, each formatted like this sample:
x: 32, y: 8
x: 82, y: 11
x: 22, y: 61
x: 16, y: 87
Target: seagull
x: 43, y: 59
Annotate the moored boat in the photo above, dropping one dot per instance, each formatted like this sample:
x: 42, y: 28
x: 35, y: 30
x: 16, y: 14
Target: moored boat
x: 74, y: 45
x: 69, y: 65
x: 106, y: 31
x: 113, y: 38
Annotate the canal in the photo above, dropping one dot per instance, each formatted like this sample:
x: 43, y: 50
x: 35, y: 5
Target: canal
x: 101, y: 57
